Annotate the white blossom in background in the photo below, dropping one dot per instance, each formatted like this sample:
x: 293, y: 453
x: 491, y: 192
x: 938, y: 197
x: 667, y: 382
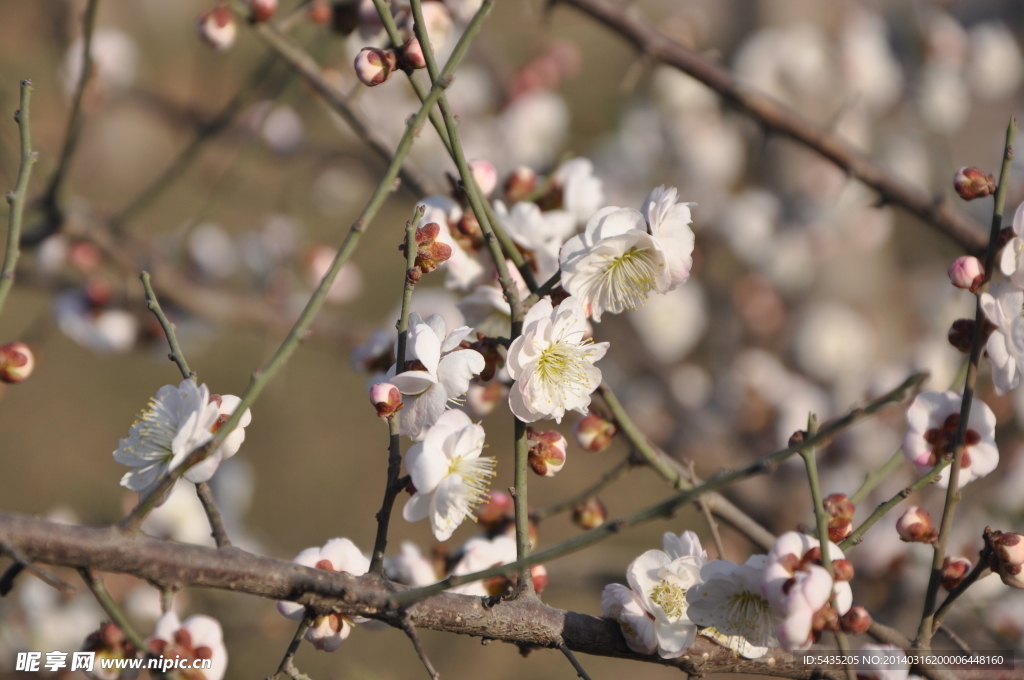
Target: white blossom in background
x: 671, y: 325
x: 464, y: 269
x: 652, y: 612
x: 834, y: 342
x: 540, y: 233
x: 552, y: 363
x: 338, y: 555
x: 114, y: 56
x: 731, y: 602
x: 104, y: 331
x: 213, y: 251
x: 582, y: 191
x: 282, y: 130
x: 871, y: 71
x: 178, y: 421
x: 486, y: 308
x: 348, y: 284
x: 450, y: 476
x: 532, y: 128
x: 181, y: 518
x: 933, y: 419
x: 943, y: 100
x: 410, y: 567
x: 790, y: 63
x: 441, y: 373
x: 995, y: 67
x: 197, y: 637
x: 479, y: 553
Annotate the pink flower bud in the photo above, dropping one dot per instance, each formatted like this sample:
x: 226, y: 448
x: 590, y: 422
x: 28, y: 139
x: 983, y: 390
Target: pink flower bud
x: 320, y: 11
x: 386, y: 399
x: 374, y: 66
x: 547, y: 451
x: 262, y: 10
x: 843, y: 570
x: 411, y: 55
x: 967, y: 272
x: 520, y: 184
x: 1008, y: 558
x: 16, y: 362
x: 954, y: 569
x: 496, y: 512
x: 971, y: 183
x: 217, y: 27
x: 590, y: 514
x: 486, y: 176
x: 539, y: 573
x: 856, y: 621
x: 593, y: 433
x: 840, y: 510
x: 915, y: 526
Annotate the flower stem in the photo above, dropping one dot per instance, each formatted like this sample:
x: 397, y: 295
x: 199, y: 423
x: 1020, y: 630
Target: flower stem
x: 154, y: 306
x: 926, y: 629
x: 99, y: 591
x: 219, y: 533
x: 522, y: 471
x: 568, y: 504
x: 16, y: 198
x: 298, y: 333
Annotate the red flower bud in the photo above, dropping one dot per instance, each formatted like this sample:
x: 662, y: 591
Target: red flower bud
x: 547, y: 451
x: 374, y: 65
x: 16, y: 362
x: 971, y: 183
x: 217, y: 27
x: 262, y: 10
x: 520, y: 184
x: 593, y: 433
x: 386, y: 399
x: 590, y: 514
x: 856, y: 621
x: 411, y: 55
x: 915, y: 526
x: 954, y: 569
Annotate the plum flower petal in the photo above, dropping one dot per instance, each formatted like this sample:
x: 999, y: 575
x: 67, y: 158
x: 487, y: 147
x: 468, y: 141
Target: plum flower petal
x: 933, y: 420
x: 1006, y: 344
x: 198, y: 637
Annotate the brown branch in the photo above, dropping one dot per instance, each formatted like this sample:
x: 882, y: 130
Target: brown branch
x: 410, y: 631
x: 777, y: 117
x: 217, y: 530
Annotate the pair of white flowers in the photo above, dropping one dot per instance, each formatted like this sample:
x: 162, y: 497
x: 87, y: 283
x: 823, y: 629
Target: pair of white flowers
x: 177, y: 421
x: 1003, y: 306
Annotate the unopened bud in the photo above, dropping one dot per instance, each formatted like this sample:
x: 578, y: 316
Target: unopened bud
x: 842, y: 570
x: 320, y: 11
x: 915, y: 526
x: 590, y: 514
x: 430, y: 253
x: 496, y: 512
x: 967, y: 272
x: 593, y: 433
x: 374, y: 65
x: 386, y: 398
x: 840, y: 510
x: 961, y: 334
x: 262, y: 10
x: 954, y: 569
x: 411, y: 55
x: 16, y: 362
x: 217, y: 27
x: 539, y: 573
x: 547, y: 451
x: 971, y: 183
x: 438, y: 21
x: 1008, y: 558
x: 481, y: 399
x: 485, y: 175
x: 520, y: 184
x: 856, y: 621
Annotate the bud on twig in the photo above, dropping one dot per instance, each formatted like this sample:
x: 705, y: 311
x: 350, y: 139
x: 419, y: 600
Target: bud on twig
x: 915, y: 526
x: 971, y: 183
x: 217, y: 27
x: 430, y: 253
x: 967, y: 272
x: 374, y: 65
x: 386, y: 398
x: 496, y: 512
x: 961, y: 334
x: 547, y: 451
x: 843, y: 570
x: 262, y: 10
x: 520, y: 184
x: 856, y: 621
x: 411, y: 55
x: 1008, y: 557
x: 590, y: 514
x: 840, y: 510
x: 16, y: 362
x: 954, y: 569
x: 593, y: 433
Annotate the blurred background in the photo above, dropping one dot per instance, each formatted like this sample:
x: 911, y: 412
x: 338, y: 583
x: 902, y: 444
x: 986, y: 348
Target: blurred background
x: 806, y: 294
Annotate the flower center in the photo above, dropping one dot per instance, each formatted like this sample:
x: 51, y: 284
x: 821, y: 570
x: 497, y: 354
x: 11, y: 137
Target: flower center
x: 627, y: 279
x: 943, y: 439
x: 475, y: 474
x: 746, y: 614
x: 671, y: 598
x: 562, y: 362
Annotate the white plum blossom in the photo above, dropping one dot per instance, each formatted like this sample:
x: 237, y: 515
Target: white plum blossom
x: 624, y: 255
x: 338, y: 555
x: 410, y: 567
x: 1011, y: 257
x: 177, y: 421
x: 541, y: 234
x: 652, y: 612
x: 582, y: 191
x: 552, y: 364
x: 479, y: 553
x: 1005, y: 345
x: 932, y: 421
x: 197, y: 637
x: 105, y: 331
x: 450, y: 476
x: 436, y: 372
x: 730, y: 601
x: 464, y: 269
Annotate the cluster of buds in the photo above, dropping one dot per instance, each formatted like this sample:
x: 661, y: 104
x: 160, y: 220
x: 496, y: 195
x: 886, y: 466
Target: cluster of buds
x: 593, y: 433
x: 16, y: 362
x: 954, y: 570
x: 217, y: 27
x: 386, y: 398
x: 547, y: 451
x: 590, y: 514
x: 262, y: 10
x: 971, y: 183
x: 109, y: 642
x: 915, y: 526
x: 375, y: 65
x: 967, y: 273
x: 430, y: 253
x: 1007, y: 557
x: 840, y: 516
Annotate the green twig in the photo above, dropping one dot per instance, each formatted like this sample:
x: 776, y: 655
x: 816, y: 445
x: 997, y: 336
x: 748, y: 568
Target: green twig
x: 873, y: 479
x: 979, y: 570
x: 926, y: 629
x: 586, y: 494
x: 16, y: 198
x: 667, y: 508
x: 287, y: 665
x: 262, y: 377
x: 99, y: 591
x: 154, y: 306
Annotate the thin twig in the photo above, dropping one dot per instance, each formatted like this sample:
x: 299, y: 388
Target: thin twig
x: 926, y: 629
x: 154, y: 306
x: 99, y: 591
x: 585, y: 495
x: 16, y: 198
x: 709, y: 519
x: 417, y: 644
x: 217, y: 530
x: 21, y: 563
x: 262, y: 377
x: 980, y: 569
x: 287, y: 665
x: 572, y: 659
x: 958, y: 641
x: 668, y: 507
